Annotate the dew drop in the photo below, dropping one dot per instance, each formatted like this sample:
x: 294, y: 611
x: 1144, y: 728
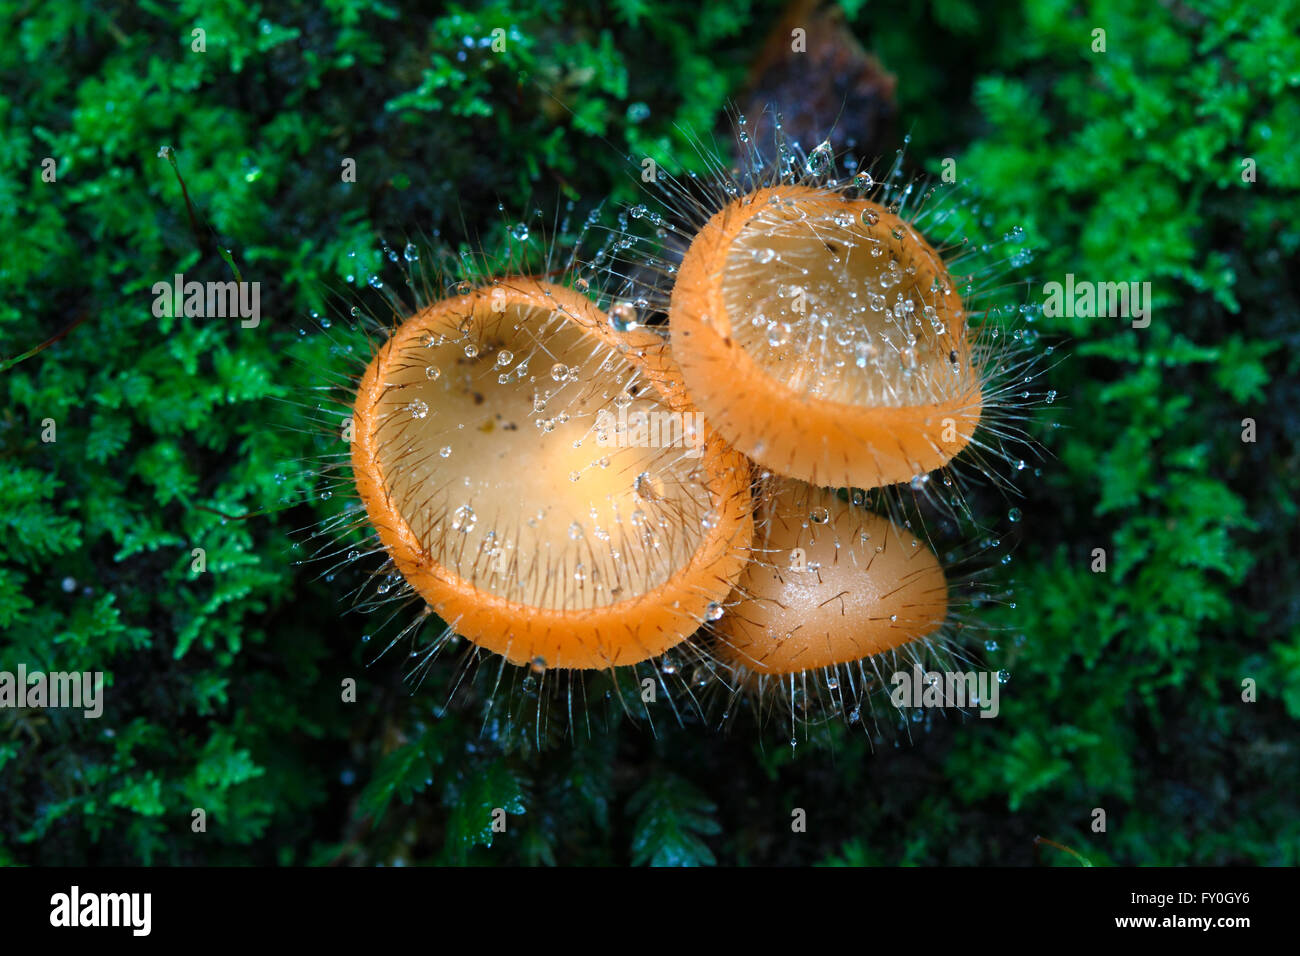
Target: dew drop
x: 464, y: 519
x: 819, y: 160
x: 648, y: 486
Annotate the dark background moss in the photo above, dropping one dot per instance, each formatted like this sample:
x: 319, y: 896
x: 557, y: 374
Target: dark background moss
x: 1126, y: 690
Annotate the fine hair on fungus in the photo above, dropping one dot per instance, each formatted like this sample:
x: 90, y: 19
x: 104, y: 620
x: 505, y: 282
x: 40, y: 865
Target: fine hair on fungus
x: 836, y: 599
x: 838, y: 329
x: 505, y: 509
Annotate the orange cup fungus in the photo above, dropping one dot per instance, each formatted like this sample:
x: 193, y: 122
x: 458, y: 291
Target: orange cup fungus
x: 572, y: 494
x: 829, y: 584
x: 822, y: 336
x: 548, y: 493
